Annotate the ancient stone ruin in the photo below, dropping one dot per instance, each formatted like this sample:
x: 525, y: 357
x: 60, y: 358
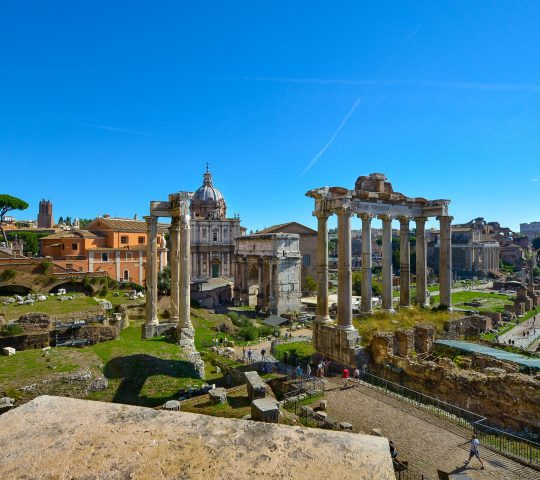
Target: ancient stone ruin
x: 178, y: 208
x: 373, y: 196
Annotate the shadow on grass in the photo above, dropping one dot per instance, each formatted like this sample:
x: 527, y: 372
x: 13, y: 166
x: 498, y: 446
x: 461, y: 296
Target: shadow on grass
x: 135, y: 370
x: 239, y: 402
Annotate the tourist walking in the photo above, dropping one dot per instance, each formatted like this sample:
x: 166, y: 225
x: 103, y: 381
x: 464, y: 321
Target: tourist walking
x: 263, y: 354
x: 250, y: 355
x: 320, y: 369
x: 356, y: 375
x: 345, y: 376
x: 474, y: 452
x: 308, y: 371
x: 243, y: 354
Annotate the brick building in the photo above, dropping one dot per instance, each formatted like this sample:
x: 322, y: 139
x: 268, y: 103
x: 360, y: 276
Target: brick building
x: 113, y: 245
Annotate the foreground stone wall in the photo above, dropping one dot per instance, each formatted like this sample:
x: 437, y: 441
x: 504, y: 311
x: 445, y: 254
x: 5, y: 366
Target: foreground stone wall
x: 103, y: 440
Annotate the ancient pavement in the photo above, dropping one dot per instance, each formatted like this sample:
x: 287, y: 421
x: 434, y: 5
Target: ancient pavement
x: 428, y: 442
x: 516, y: 334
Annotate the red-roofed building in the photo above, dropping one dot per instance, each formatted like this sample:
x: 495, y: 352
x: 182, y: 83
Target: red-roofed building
x: 113, y: 245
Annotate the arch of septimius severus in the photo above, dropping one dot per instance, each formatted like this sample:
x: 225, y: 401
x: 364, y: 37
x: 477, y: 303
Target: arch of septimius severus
x: 373, y: 196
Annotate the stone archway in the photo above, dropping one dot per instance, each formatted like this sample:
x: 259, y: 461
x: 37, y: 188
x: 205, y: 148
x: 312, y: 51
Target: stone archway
x: 215, y: 267
x: 8, y: 290
x: 73, y: 287
x: 253, y: 285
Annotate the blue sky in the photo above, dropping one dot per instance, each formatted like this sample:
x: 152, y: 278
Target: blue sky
x: 105, y: 106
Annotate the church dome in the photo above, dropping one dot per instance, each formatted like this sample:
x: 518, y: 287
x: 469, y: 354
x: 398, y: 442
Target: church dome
x: 207, y: 201
x: 207, y: 192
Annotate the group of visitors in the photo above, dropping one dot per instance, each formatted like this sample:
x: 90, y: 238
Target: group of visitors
x: 346, y: 376
x: 219, y: 342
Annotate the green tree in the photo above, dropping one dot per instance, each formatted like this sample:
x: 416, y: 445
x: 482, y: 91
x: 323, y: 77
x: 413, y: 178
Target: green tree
x: 357, y: 283
x: 164, y: 280
x: 8, y: 203
x: 60, y: 220
x: 310, y: 284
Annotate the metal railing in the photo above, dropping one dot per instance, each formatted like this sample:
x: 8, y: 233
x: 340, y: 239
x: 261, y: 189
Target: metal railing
x: 508, y: 444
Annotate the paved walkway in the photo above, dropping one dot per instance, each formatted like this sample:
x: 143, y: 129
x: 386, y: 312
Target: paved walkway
x: 530, y: 326
x: 427, y: 442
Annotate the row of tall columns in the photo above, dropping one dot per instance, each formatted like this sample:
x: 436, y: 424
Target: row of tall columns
x: 421, y: 262
x: 344, y: 270
x: 180, y: 254
x: 367, y: 275
x: 344, y: 265
x: 174, y: 256
x: 387, y: 291
x: 184, y: 305
x: 151, y: 271
x: 404, y: 263
x: 322, y: 312
x: 445, y: 260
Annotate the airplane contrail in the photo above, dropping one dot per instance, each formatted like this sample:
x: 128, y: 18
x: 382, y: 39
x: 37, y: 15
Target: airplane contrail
x: 332, y: 138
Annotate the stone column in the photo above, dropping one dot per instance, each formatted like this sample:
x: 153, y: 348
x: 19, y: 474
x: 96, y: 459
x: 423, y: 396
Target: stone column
x: 445, y: 260
x: 174, y: 249
x: 404, y: 263
x: 151, y: 272
x: 344, y: 269
x: 186, y: 331
x: 387, y: 300
x: 272, y: 303
x: 323, y: 315
x: 245, y: 282
x: 367, y: 280
x: 260, y: 286
x: 421, y: 262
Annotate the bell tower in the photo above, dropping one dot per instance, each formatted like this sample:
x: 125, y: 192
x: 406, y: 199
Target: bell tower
x: 45, y: 215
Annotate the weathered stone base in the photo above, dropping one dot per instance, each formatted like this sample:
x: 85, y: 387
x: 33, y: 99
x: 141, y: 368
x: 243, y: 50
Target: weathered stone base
x: 186, y: 341
x: 265, y: 410
x: 151, y: 330
x: 341, y: 346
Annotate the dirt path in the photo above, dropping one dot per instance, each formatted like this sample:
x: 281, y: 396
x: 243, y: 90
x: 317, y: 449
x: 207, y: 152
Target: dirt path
x: 530, y: 327
x: 427, y: 442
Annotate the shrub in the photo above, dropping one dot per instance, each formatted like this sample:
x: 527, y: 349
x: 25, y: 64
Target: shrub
x: 166, y: 313
x: 7, y: 274
x: 249, y: 332
x: 46, y: 267
x: 233, y: 316
x: 103, y: 292
x: 11, y: 329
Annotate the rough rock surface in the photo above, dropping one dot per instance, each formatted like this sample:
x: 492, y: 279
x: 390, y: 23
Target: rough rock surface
x: 93, y: 438
x: 35, y: 322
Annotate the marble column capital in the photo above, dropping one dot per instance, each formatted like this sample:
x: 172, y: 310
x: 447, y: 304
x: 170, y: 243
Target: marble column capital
x: 343, y: 210
x: 184, y: 220
x: 403, y: 220
x: 420, y: 220
x: 366, y: 216
x: 321, y: 214
x: 385, y: 217
x: 175, y: 224
x: 445, y: 218
x: 151, y: 221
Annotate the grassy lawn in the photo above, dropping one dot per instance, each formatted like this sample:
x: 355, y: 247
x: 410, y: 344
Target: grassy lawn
x: 80, y: 305
x: 300, y: 351
x: 32, y: 366
x: 53, y: 307
x: 238, y: 404
x: 491, y: 302
x: 403, y: 318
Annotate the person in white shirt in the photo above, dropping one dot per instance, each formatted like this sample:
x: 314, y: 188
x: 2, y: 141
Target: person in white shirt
x: 475, y: 443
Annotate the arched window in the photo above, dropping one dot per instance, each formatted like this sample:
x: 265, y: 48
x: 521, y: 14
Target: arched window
x: 126, y: 276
